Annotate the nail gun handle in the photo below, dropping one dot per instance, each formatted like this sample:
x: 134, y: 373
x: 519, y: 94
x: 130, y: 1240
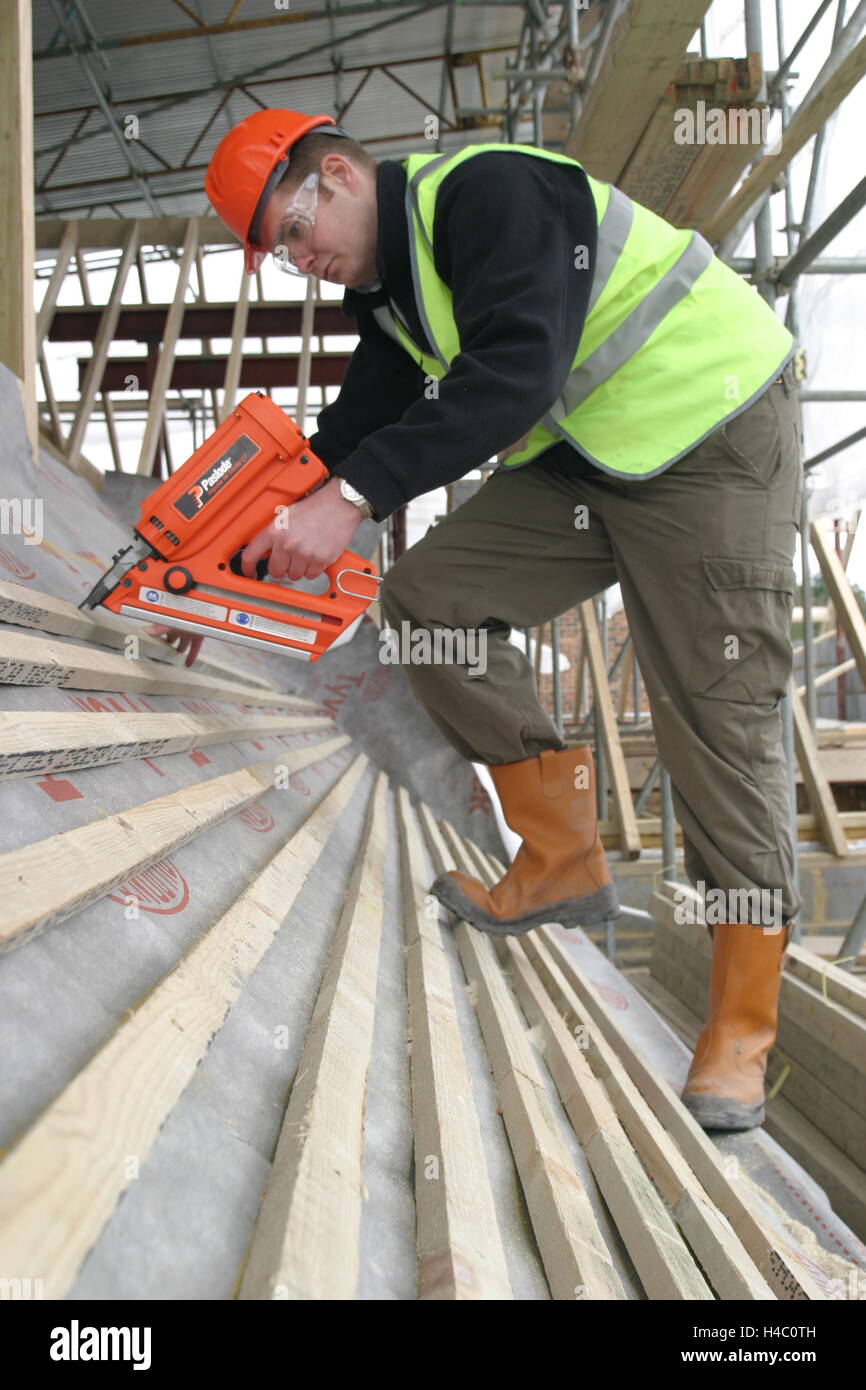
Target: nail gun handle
x: 333, y: 571
x: 261, y: 566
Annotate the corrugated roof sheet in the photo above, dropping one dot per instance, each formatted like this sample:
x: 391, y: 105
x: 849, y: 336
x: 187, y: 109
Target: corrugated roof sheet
x: 174, y: 88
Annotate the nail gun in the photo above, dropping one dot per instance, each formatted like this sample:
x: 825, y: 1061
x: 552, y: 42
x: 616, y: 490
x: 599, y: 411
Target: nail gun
x: 184, y: 566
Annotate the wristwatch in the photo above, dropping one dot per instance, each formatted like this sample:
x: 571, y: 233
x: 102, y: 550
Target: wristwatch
x: 352, y: 494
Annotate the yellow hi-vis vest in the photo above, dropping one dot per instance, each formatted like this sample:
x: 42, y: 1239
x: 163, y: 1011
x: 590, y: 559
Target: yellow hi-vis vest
x: 674, y: 343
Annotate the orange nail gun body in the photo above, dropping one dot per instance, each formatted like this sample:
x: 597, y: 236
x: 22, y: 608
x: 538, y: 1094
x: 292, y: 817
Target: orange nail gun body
x: 184, y: 570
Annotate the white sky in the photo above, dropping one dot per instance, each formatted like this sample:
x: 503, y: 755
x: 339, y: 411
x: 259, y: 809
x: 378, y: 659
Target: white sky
x: 832, y: 308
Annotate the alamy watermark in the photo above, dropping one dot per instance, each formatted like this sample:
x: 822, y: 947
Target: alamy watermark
x: 853, y: 1288
x: 22, y: 516
x: 98, y: 1343
x: 724, y: 125
x: 21, y: 1289
x: 444, y: 646
x: 757, y: 907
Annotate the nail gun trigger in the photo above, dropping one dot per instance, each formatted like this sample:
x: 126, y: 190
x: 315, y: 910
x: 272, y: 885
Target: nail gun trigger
x: 365, y: 574
x: 235, y: 565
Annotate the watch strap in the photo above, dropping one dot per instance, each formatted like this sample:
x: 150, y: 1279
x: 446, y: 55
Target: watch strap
x: 359, y: 500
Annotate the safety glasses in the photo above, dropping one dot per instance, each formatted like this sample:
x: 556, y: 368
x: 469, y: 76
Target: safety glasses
x: 295, y: 231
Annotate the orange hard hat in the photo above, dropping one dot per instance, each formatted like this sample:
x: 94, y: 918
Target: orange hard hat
x: 246, y: 167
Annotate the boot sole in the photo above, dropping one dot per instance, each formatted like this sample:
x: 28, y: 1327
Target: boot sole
x: 593, y: 911
x: 716, y: 1112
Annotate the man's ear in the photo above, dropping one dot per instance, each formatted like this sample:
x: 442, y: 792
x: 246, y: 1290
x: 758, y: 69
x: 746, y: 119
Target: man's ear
x: 340, y: 170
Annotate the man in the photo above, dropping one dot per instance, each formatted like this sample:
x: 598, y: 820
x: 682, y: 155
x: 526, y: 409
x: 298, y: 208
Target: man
x: 639, y: 398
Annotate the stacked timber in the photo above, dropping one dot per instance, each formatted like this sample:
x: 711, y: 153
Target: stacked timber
x: 268, y: 1030
x: 816, y: 1073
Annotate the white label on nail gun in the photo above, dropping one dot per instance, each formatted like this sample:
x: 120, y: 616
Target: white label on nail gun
x: 254, y: 620
x: 183, y: 605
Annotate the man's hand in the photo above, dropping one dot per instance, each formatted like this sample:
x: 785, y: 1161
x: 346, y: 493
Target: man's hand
x: 180, y: 640
x: 302, y: 541
x: 306, y: 537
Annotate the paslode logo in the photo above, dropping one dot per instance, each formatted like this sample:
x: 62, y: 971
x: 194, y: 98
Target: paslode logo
x: 216, y: 475
x: 198, y: 490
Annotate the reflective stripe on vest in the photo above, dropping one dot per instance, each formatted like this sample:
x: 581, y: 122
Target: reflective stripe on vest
x: 663, y: 311
x: 385, y: 319
x: 391, y: 324
x: 634, y: 331
x: 613, y: 233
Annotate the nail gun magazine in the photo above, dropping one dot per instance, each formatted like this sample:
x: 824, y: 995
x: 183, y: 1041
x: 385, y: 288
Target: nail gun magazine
x: 183, y: 567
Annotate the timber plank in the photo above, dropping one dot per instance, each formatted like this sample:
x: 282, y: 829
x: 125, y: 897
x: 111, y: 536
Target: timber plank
x: 730, y: 1269
x: 26, y: 660
x: 646, y: 47
x: 827, y: 1039
x: 572, y: 1247
x: 823, y: 975
x: 829, y: 1113
x: 835, y: 577
x: 630, y: 842
x: 805, y: 122
x: 45, y: 882
x: 460, y: 1249
x: 101, y: 344
x: 776, y: 1259
x: 168, y: 350
x: 61, y: 1181
x: 658, y: 1251
x: 817, y: 785
x: 839, y: 1174
x: 36, y: 742
x: 31, y: 608
x: 306, y: 1242
x: 17, y: 320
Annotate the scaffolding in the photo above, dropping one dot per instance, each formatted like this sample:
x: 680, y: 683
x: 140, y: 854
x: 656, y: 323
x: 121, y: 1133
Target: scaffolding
x: 562, y: 83
x: 231, y: 982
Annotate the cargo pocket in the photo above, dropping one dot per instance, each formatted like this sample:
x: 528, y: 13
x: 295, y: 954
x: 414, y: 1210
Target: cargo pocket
x: 742, y: 646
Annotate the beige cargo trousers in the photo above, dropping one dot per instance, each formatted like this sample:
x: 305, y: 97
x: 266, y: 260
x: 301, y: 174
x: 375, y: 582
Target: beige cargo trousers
x: 703, y: 553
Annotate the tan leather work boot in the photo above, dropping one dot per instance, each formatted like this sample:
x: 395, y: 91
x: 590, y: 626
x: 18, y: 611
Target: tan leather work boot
x: 560, y: 872
x: 725, y: 1085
